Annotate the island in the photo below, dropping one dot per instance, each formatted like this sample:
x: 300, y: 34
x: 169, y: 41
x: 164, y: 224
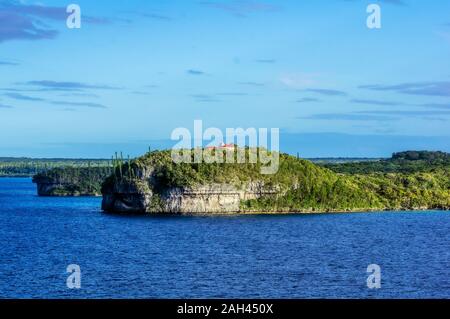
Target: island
x: 71, y: 181
x: 155, y: 184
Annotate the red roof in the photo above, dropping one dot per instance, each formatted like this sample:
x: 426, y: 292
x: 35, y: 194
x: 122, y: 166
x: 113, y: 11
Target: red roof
x: 221, y: 146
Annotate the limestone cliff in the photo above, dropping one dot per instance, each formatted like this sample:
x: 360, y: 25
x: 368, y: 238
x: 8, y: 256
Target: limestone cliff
x: 131, y: 197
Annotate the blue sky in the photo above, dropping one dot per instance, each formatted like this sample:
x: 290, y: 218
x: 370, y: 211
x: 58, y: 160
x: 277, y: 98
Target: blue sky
x: 136, y: 70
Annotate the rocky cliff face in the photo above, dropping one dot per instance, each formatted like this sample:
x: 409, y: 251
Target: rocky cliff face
x: 206, y: 199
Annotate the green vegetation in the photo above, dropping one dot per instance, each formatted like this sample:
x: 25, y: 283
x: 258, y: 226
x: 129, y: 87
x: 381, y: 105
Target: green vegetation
x: 422, y: 183
x: 403, y: 162
x: 72, y: 181
x: 28, y: 167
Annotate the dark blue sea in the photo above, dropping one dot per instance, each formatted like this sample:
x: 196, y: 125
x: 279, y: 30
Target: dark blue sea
x: 295, y: 256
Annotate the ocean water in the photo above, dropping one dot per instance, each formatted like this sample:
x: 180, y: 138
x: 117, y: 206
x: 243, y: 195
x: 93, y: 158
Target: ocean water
x: 276, y: 256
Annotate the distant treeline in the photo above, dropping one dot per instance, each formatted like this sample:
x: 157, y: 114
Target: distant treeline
x: 28, y: 167
x: 341, y: 160
x: 402, y: 162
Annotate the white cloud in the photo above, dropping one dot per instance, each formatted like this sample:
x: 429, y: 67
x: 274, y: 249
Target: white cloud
x: 299, y: 80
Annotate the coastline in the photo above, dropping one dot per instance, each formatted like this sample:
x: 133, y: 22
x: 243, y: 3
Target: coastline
x: 280, y: 213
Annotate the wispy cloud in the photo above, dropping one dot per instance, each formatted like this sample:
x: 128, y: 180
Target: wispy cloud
x: 76, y: 94
x: 15, y: 26
x: 433, y: 88
x: 250, y: 83
x: 406, y: 113
x: 327, y: 92
x: 67, y: 86
x: 393, y: 103
x: 145, y: 15
x: 379, y: 116
x: 20, y: 21
x: 299, y: 80
x: 232, y: 94
x: 139, y: 93
x: 22, y: 97
x: 144, y: 90
x: 9, y: 63
x: 216, y: 97
x: 4, y: 106
x: 156, y: 16
x: 208, y: 100
x: 82, y: 104
x: 436, y: 106
x: 348, y: 117
x: 200, y: 96
x: 195, y: 72
x: 205, y: 98
x: 375, y: 102
x: 267, y: 61
x: 20, y: 90
x: 241, y: 8
x: 307, y: 100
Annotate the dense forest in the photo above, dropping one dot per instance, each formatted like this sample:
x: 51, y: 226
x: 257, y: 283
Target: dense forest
x: 75, y: 177
x: 402, y: 162
x: 72, y: 181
